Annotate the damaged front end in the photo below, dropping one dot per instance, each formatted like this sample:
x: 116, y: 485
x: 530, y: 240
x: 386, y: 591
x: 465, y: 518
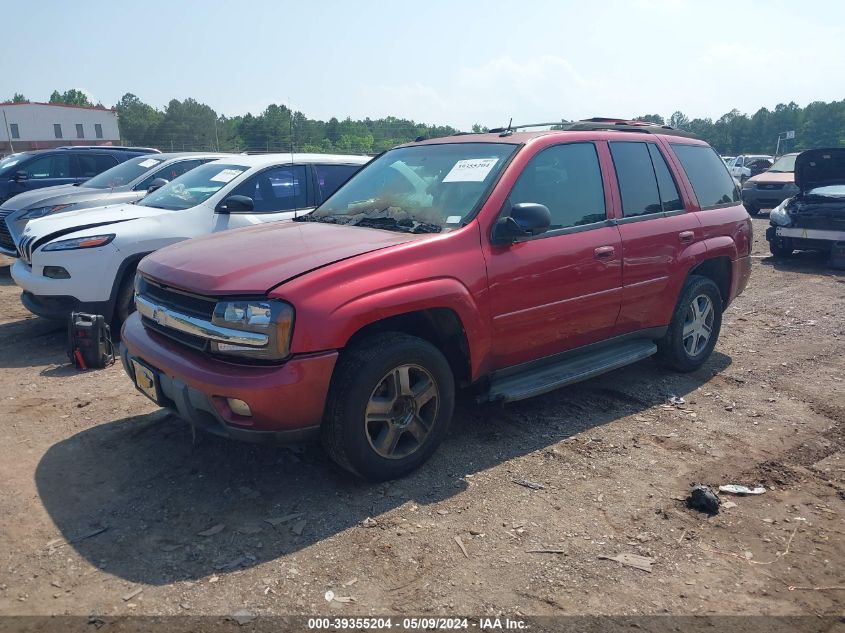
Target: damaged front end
x: 815, y: 218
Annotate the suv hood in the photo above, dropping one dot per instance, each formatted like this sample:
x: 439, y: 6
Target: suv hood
x: 255, y: 259
x: 820, y: 168
x: 773, y: 176
x: 81, y: 219
x: 49, y: 196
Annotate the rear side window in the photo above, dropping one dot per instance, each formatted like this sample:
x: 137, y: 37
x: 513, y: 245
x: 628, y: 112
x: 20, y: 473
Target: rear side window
x: 637, y: 182
x: 710, y: 179
x: 331, y: 177
x: 89, y: 165
x: 567, y: 180
x: 669, y: 196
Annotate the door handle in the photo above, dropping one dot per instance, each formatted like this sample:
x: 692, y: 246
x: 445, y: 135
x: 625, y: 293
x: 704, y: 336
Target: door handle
x: 686, y: 237
x: 604, y: 252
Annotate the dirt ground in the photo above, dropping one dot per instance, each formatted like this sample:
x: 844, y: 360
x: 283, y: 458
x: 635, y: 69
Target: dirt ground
x: 110, y: 506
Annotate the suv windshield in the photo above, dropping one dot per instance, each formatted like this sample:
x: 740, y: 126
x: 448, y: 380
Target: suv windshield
x: 124, y: 173
x: 417, y: 189
x: 784, y: 164
x: 193, y: 188
x: 10, y: 161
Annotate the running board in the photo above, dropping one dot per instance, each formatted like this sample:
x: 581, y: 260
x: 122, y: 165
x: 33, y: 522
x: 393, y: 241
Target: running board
x: 538, y: 380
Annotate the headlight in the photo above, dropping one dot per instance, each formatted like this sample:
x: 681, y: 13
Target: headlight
x: 265, y: 316
x: 92, y: 241
x: 779, y: 216
x: 40, y: 212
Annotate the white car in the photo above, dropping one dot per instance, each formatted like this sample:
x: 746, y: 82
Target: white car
x: 746, y: 165
x: 85, y: 260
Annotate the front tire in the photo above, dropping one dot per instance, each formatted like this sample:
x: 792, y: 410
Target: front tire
x: 389, y: 405
x: 695, y: 326
x: 124, y: 304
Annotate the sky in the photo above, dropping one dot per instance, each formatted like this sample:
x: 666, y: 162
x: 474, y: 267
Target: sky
x: 445, y: 62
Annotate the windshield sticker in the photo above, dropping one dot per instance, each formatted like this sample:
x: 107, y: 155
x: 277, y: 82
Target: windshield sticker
x: 471, y: 170
x: 226, y: 175
x: 149, y: 163
x: 454, y: 219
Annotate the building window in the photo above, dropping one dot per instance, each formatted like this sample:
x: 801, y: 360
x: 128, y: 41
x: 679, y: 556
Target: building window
x: 98, y: 130
x: 16, y: 133
x: 80, y: 133
x: 57, y: 130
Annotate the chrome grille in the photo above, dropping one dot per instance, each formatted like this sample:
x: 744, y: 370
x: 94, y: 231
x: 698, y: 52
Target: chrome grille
x: 25, y: 249
x: 180, y: 301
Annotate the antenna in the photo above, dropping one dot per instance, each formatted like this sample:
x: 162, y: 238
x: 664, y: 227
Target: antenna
x: 508, y: 130
x: 292, y: 170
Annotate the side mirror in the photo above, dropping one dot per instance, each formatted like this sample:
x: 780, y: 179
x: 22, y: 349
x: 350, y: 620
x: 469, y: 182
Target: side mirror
x: 157, y: 183
x: 526, y: 219
x: 233, y: 204
x: 20, y: 175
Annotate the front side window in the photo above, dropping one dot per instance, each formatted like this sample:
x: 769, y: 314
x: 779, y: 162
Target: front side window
x: 57, y: 130
x: 169, y: 172
x: 277, y: 189
x: 80, y: 131
x: 54, y: 166
x: 331, y: 177
x: 637, y: 181
x: 15, y: 130
x: 566, y: 179
x: 124, y: 173
x: 417, y: 188
x: 194, y: 187
x: 712, y: 183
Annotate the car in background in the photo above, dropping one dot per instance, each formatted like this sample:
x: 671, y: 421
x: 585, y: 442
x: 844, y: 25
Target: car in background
x: 768, y: 189
x: 745, y: 166
x: 813, y: 219
x: 25, y: 171
x: 727, y: 159
x: 85, y: 260
x: 127, y: 182
x: 528, y: 261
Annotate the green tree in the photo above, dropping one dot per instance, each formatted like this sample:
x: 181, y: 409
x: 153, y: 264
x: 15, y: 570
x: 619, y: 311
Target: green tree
x: 679, y: 120
x: 71, y: 97
x: 18, y: 98
x: 138, y: 121
x: 652, y: 118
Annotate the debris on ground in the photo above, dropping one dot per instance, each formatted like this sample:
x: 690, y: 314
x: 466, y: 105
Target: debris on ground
x: 274, y: 521
x: 216, y: 529
x: 369, y: 522
x: 529, y: 484
x: 737, y: 489
x: 631, y: 560
x: 675, y: 400
x: 703, y: 498
x: 135, y: 592
x: 461, y: 545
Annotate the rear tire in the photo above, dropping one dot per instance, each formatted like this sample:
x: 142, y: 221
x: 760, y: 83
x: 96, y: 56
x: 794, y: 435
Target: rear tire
x: 752, y: 211
x: 389, y: 406
x: 695, y: 326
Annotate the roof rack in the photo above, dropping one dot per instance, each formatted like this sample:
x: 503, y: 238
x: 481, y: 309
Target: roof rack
x: 149, y: 150
x: 600, y: 124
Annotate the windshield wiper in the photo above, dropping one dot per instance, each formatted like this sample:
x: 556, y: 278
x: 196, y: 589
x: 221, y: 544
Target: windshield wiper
x: 377, y: 219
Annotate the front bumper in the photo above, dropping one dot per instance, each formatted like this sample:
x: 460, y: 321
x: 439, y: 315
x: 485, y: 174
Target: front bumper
x: 57, y: 298
x: 765, y: 198
x: 286, y: 401
x: 805, y: 239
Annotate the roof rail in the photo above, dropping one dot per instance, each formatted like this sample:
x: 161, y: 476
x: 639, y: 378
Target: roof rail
x: 149, y: 150
x: 601, y: 124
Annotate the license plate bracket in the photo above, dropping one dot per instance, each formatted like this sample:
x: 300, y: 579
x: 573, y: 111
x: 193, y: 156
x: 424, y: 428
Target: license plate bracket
x: 146, y: 381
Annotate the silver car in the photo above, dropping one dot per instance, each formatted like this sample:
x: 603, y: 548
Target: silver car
x: 125, y: 183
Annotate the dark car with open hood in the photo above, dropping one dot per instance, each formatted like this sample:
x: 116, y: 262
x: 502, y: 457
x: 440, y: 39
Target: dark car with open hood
x: 814, y: 219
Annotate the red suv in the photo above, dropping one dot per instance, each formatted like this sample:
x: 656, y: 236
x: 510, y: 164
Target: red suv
x: 509, y: 262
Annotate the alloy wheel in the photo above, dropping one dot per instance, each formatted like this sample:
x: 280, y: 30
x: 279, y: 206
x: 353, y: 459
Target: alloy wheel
x: 698, y: 325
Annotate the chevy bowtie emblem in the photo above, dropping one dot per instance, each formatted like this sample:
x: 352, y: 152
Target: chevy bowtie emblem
x: 157, y: 316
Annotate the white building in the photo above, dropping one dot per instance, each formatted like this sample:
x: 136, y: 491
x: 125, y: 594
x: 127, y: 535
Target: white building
x: 25, y: 126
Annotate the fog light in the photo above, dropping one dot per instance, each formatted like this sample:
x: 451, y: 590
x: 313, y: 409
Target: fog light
x: 239, y: 407
x: 56, y: 272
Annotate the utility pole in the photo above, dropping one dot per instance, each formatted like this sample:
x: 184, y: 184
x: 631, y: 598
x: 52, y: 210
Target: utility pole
x: 8, y: 133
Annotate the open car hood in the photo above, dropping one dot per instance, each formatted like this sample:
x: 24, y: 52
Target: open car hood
x: 820, y: 168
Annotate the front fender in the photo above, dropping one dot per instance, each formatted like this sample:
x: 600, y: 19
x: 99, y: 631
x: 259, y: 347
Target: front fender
x: 338, y: 326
